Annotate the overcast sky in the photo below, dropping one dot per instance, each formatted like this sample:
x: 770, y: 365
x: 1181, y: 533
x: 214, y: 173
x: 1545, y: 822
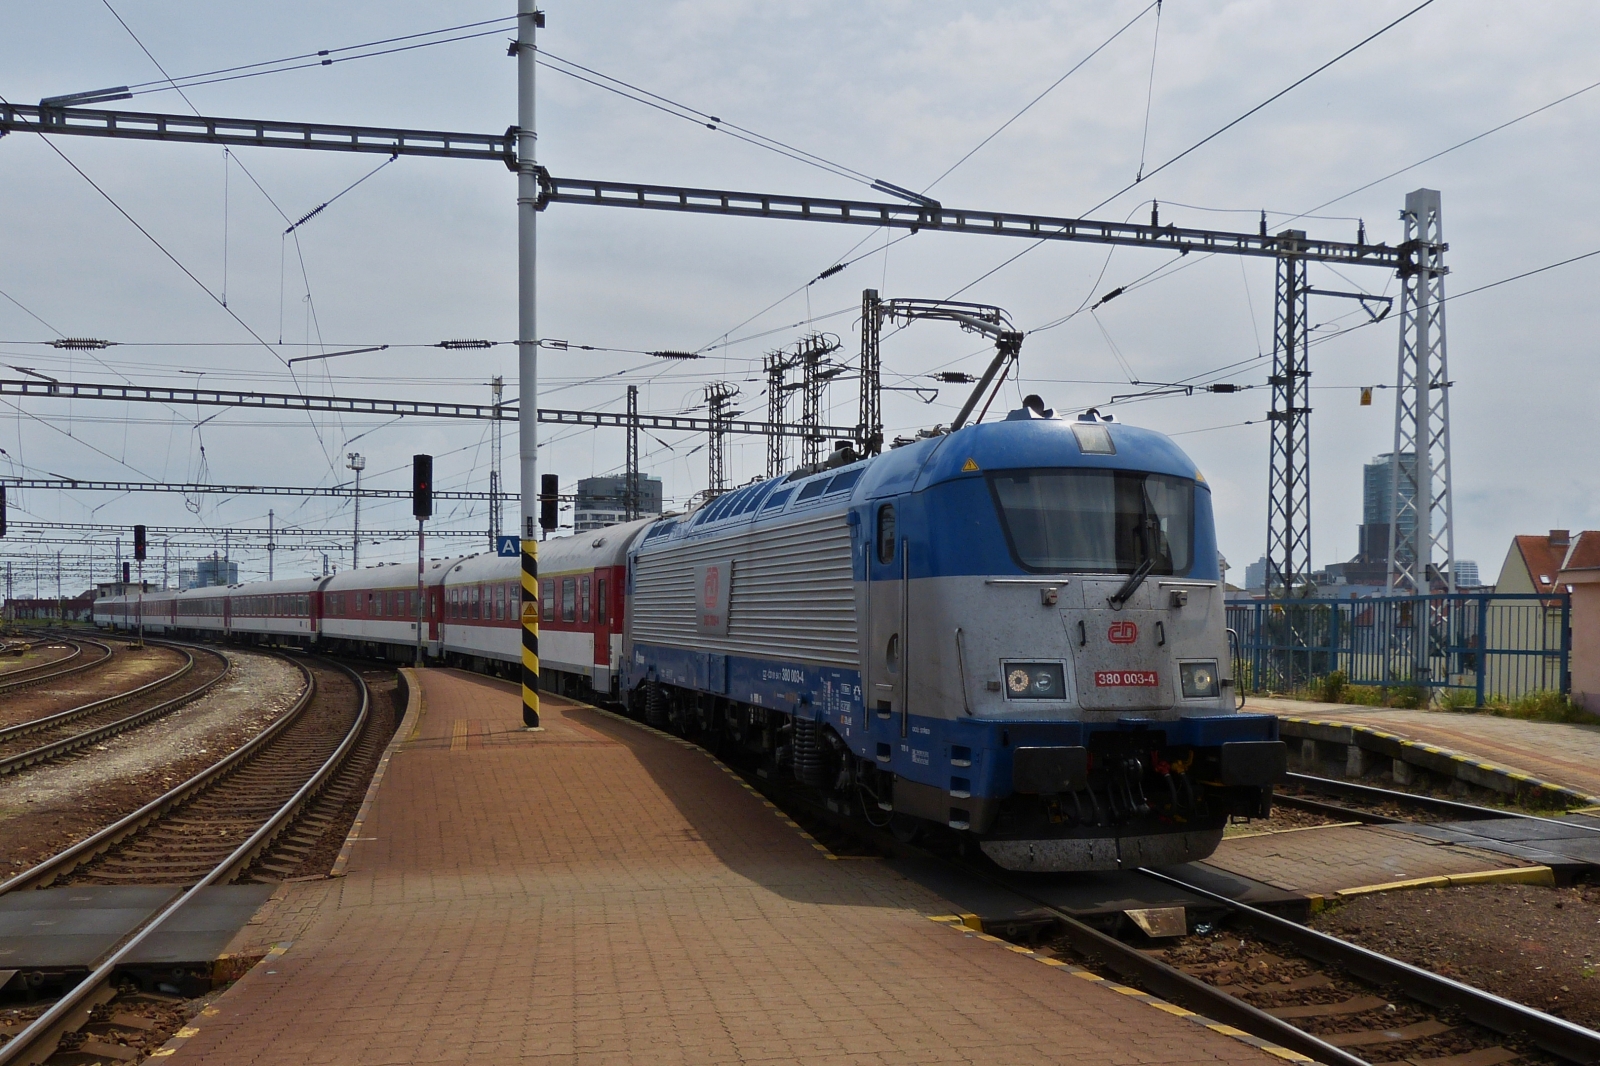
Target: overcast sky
x: 425, y: 249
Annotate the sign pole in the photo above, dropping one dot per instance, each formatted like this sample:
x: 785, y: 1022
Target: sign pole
x: 421, y: 611
x: 528, y: 356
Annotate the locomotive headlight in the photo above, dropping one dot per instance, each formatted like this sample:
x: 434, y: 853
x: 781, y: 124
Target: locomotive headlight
x: 1199, y: 679
x: 1035, y: 681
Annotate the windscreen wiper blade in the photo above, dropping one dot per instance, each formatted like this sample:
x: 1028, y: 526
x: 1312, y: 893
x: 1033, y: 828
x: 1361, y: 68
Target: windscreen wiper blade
x: 1130, y: 586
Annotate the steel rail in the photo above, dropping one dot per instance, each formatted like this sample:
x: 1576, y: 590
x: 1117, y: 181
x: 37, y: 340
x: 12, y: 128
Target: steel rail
x: 1169, y: 982
x: 50, y: 721
x: 46, y: 752
x: 1462, y: 811
x: 39, y: 1039
x: 15, y: 679
x: 1558, y: 1036
x: 14, y: 684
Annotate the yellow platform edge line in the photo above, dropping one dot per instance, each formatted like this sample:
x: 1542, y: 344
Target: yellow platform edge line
x: 1516, y: 875
x: 955, y: 921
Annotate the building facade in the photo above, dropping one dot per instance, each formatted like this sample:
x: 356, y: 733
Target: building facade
x: 602, y: 501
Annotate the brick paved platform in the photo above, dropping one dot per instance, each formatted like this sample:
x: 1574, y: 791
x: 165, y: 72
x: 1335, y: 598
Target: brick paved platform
x: 1555, y: 751
x: 597, y: 893
x: 1325, y: 860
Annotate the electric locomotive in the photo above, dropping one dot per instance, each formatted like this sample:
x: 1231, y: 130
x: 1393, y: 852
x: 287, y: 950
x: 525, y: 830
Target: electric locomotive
x: 1014, y: 632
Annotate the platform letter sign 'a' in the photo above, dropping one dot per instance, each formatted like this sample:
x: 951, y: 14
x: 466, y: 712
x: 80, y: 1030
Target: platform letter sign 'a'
x: 712, y: 582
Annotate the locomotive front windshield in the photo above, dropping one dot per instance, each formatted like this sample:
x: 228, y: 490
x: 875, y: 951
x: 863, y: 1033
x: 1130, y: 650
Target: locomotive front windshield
x: 1096, y: 521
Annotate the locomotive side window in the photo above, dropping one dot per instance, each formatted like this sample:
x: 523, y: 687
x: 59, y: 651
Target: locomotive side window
x: 602, y: 612
x: 583, y: 599
x: 886, y: 533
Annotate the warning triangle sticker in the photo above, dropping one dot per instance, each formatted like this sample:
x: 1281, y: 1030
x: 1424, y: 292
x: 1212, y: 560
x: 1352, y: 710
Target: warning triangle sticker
x: 970, y: 466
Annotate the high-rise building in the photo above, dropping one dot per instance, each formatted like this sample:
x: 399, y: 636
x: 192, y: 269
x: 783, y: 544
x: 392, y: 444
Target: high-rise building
x: 1467, y: 574
x: 1255, y: 574
x: 209, y: 572
x: 1376, y: 478
x: 602, y: 501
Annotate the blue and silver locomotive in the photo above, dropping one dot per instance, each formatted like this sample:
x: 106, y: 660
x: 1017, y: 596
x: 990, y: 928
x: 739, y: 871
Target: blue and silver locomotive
x: 1014, y: 631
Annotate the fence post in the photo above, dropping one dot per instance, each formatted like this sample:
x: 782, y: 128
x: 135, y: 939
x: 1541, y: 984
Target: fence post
x: 1255, y: 642
x: 1566, y: 642
x: 1483, y: 644
x: 1338, y: 611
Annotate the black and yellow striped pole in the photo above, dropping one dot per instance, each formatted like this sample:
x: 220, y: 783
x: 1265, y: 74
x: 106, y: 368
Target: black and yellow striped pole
x: 530, y: 632
x: 528, y: 356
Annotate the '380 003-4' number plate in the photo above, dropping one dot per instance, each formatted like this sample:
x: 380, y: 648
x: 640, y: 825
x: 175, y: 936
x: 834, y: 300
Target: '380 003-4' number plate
x: 1123, y: 678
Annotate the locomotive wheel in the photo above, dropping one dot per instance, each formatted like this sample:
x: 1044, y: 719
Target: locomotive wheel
x: 906, y: 829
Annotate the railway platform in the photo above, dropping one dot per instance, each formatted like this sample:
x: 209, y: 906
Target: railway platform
x: 598, y: 892
x: 1565, y: 754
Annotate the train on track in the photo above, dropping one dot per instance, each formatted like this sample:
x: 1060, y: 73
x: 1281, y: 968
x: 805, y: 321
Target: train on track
x: 1013, y: 632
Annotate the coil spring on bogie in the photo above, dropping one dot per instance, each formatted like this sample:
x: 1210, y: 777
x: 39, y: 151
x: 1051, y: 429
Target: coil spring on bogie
x: 808, y: 765
x: 655, y: 703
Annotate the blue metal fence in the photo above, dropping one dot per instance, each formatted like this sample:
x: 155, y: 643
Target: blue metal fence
x: 1490, y: 646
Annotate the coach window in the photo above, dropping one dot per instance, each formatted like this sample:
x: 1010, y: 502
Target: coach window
x: 569, y: 599
x: 886, y: 533
x: 583, y: 599
x: 602, y: 612
x: 547, y: 610
x: 450, y: 604
x: 499, y: 603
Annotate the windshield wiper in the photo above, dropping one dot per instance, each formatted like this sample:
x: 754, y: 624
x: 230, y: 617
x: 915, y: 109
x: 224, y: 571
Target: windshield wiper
x: 1142, y: 571
x: 1130, y: 586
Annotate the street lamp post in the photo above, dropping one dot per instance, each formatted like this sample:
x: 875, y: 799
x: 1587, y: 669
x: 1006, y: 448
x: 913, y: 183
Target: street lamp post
x: 357, y: 462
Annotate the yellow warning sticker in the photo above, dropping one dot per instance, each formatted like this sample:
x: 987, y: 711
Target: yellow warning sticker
x: 970, y: 466
x: 530, y: 612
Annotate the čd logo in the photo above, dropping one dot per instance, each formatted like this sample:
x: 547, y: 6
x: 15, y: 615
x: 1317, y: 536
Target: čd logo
x: 1122, y: 633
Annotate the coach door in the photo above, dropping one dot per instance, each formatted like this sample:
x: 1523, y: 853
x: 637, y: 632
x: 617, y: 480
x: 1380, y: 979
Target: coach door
x: 885, y: 656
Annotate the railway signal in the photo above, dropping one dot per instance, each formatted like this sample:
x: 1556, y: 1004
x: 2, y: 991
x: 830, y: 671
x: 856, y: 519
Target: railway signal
x: 139, y: 543
x: 422, y: 486
x: 2, y: 510
x: 422, y: 509
x: 549, y: 497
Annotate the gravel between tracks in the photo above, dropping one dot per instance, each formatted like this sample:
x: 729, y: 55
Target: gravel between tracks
x: 45, y: 808
x: 1539, y: 946
x: 127, y: 669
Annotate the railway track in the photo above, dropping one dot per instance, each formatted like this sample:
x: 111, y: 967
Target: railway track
x: 210, y: 830
x: 52, y: 736
x: 1373, y: 801
x: 88, y: 655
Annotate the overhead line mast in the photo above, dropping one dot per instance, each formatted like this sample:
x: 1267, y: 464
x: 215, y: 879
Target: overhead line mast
x: 528, y: 21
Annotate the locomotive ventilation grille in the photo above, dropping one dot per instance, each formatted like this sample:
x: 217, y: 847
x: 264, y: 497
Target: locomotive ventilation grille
x: 792, y: 589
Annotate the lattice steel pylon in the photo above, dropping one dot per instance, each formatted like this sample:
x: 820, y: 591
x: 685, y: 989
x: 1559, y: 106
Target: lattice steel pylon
x: 718, y: 394
x: 870, y: 432
x: 1422, y: 411
x: 630, y: 486
x: 1289, y: 470
x: 776, y: 365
